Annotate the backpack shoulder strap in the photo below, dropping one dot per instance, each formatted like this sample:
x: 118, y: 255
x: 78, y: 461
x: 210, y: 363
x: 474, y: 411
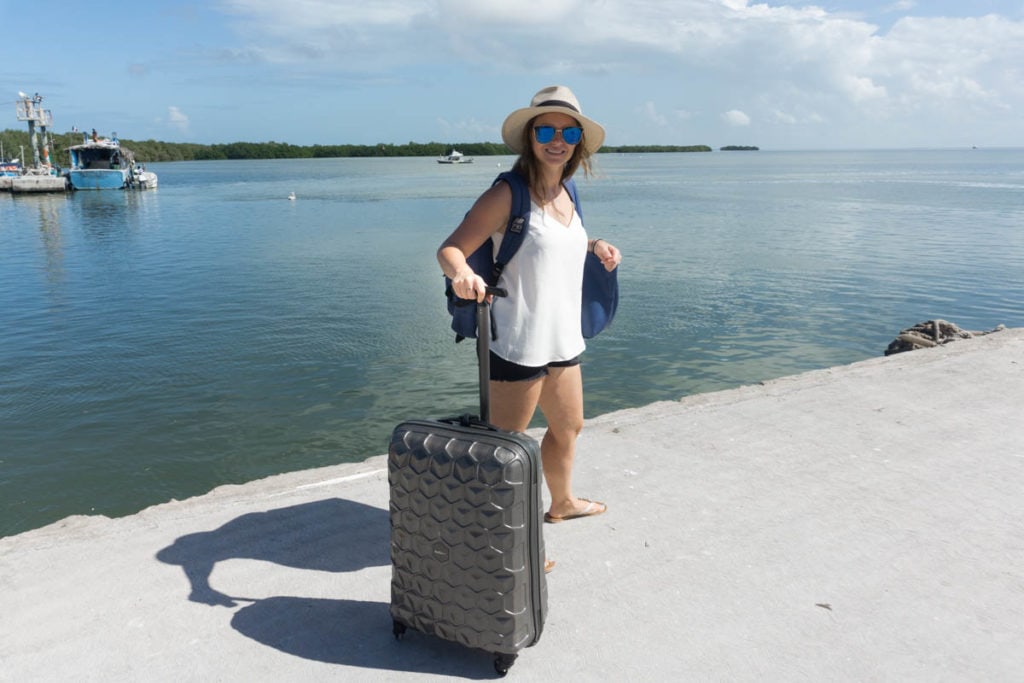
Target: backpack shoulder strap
x: 570, y: 187
x: 518, y: 220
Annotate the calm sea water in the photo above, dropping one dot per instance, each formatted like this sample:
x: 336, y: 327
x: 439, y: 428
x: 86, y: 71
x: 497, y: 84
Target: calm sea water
x: 155, y: 345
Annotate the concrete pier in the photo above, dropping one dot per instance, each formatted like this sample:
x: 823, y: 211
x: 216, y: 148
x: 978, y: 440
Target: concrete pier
x: 860, y: 523
x: 35, y: 183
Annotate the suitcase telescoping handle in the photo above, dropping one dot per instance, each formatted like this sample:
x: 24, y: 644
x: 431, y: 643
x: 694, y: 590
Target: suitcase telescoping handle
x: 483, y: 350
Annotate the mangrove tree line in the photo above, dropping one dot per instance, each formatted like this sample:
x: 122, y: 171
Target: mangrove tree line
x: 153, y: 150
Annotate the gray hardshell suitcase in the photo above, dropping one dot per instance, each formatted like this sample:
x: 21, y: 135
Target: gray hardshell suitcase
x: 467, y: 549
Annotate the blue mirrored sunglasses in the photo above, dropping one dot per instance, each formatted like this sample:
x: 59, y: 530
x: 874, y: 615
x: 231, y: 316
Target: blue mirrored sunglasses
x: 545, y: 134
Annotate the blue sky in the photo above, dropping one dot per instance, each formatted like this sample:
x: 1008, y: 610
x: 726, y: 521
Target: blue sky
x: 780, y: 75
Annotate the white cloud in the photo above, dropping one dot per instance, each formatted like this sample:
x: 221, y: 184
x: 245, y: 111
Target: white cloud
x: 704, y: 55
x: 783, y: 117
x: 650, y: 113
x: 519, y: 12
x: 803, y: 45
x: 790, y: 118
x: 467, y: 130
x: 946, y: 62
x: 177, y: 118
x: 860, y: 88
x: 735, y: 117
x: 901, y: 6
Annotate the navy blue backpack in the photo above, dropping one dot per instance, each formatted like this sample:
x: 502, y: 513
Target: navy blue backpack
x: 600, y: 287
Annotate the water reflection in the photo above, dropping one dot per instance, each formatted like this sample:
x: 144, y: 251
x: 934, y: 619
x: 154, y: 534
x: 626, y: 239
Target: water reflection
x: 46, y: 212
x: 103, y: 215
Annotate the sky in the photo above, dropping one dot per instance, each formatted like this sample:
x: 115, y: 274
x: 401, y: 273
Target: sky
x: 838, y: 74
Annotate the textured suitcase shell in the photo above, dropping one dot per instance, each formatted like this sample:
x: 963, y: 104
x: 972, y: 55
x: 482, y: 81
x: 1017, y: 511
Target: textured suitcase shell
x: 467, y: 546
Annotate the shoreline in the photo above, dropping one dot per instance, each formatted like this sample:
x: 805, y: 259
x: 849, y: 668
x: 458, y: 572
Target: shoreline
x: 861, y: 522
x: 306, y: 479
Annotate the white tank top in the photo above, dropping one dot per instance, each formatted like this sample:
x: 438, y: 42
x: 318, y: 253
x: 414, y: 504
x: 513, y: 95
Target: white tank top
x: 539, y: 321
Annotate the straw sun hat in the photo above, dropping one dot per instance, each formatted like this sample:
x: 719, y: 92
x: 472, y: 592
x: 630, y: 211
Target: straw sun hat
x: 555, y: 98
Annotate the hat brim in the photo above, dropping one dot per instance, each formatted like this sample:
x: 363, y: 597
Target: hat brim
x: 512, y: 129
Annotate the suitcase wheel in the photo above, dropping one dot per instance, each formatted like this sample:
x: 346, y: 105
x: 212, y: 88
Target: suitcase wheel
x: 398, y: 628
x: 502, y: 663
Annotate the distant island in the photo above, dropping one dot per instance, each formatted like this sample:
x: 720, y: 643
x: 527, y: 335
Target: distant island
x: 153, y: 150
x: 739, y: 148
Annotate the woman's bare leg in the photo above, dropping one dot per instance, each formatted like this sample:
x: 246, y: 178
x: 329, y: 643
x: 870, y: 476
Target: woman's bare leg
x: 560, y: 397
x: 513, y: 403
x: 561, y: 401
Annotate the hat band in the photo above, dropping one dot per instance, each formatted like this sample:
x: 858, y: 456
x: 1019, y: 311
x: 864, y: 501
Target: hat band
x: 559, y: 103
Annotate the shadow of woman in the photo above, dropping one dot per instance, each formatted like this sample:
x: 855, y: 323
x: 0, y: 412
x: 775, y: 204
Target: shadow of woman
x: 332, y: 535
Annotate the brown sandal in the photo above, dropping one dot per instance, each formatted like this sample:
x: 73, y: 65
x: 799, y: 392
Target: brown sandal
x: 592, y: 508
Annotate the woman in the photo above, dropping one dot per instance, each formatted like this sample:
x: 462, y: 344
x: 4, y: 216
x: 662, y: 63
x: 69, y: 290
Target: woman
x: 535, y: 357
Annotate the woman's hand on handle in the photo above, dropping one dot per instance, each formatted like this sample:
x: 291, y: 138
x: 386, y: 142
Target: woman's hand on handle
x: 468, y: 285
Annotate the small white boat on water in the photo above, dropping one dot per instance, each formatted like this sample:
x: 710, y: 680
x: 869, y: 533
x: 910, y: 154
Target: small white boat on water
x: 143, y: 179
x: 456, y: 157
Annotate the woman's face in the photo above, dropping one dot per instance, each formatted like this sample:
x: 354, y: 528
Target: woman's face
x: 557, y: 151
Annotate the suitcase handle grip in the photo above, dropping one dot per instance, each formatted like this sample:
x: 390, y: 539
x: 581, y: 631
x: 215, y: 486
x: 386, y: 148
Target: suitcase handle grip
x: 489, y: 290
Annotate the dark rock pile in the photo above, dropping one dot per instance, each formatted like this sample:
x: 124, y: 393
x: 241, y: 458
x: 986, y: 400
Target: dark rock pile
x: 931, y: 333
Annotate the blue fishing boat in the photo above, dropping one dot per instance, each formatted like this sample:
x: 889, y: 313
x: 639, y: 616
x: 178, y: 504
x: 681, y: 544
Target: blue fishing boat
x: 103, y: 164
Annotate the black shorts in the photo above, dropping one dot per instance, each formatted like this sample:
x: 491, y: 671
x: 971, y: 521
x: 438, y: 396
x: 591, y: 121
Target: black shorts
x: 507, y: 371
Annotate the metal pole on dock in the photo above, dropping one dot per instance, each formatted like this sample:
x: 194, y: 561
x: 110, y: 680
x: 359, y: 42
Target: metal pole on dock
x: 30, y: 109
x: 40, y: 178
